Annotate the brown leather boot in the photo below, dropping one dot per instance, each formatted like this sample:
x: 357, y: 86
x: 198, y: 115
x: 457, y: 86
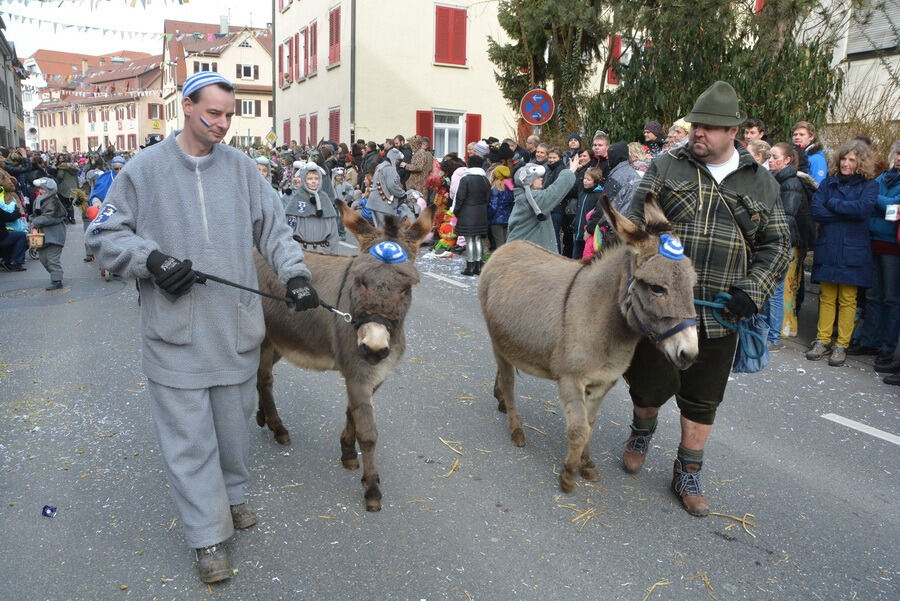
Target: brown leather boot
x: 686, y: 484
x: 636, y: 450
x: 243, y: 516
x: 213, y: 564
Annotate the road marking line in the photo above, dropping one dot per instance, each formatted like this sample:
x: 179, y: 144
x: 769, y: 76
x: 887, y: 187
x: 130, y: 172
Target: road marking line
x: 348, y: 245
x: 863, y: 428
x: 445, y: 279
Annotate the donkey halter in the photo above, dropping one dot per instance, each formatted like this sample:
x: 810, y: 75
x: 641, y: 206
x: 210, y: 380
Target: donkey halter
x: 652, y: 336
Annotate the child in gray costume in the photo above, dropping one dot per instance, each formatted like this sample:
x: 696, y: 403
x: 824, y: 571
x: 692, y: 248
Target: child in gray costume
x: 311, y: 213
x: 50, y: 219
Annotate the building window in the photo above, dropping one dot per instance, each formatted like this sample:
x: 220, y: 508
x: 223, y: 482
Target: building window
x: 92, y: 115
x: 303, y: 138
x: 286, y: 131
x: 132, y: 141
x: 248, y: 71
x: 104, y: 114
x: 120, y: 113
x: 313, y: 47
x: 132, y: 111
x: 205, y: 66
x: 449, y: 35
x: 63, y: 118
x: 154, y: 111
x: 247, y: 108
x: 334, y: 125
x: 93, y: 142
x: 76, y: 144
x: 120, y: 142
x: 303, y: 39
x: 447, y: 134
x: 334, y: 36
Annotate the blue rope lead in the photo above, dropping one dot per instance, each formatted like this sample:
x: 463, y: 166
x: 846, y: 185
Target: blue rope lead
x: 744, y: 334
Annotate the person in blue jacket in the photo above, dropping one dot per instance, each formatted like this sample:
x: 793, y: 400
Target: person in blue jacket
x: 803, y: 134
x: 881, y: 325
x: 842, y: 261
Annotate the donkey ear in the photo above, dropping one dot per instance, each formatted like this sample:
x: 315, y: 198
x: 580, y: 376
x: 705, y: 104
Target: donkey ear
x: 623, y: 226
x: 656, y: 221
x: 355, y: 222
x: 416, y: 232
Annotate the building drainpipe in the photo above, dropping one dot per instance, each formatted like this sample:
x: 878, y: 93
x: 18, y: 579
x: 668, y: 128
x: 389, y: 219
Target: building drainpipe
x: 274, y: 79
x: 352, y: 70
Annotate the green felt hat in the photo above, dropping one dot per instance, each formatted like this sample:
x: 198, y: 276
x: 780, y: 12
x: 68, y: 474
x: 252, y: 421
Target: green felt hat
x: 718, y: 105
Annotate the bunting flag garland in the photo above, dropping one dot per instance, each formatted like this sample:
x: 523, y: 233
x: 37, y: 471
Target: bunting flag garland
x: 94, y: 3
x: 123, y: 33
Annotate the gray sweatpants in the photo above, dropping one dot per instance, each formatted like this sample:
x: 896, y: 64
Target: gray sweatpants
x: 204, y: 439
x: 49, y: 256
x: 85, y: 222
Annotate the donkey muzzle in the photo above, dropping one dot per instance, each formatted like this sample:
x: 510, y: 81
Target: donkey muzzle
x: 681, y: 348
x: 373, y: 340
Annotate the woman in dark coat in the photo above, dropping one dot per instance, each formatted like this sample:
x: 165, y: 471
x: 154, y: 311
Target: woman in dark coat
x: 843, y: 258
x: 470, y: 208
x: 795, y: 200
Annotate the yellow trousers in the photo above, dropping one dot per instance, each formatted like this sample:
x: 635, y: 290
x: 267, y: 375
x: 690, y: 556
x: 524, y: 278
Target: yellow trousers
x: 830, y: 295
x: 789, y: 327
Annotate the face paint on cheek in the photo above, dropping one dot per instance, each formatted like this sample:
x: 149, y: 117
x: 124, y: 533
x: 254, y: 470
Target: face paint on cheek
x: 203, y: 121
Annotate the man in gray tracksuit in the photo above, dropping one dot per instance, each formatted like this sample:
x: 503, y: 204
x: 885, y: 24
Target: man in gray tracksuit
x: 204, y: 202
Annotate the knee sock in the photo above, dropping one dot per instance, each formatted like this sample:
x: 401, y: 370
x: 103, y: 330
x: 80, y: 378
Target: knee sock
x: 643, y: 425
x: 686, y: 456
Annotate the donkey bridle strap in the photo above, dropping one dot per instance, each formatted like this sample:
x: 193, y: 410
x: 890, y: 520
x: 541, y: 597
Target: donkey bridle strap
x: 374, y: 318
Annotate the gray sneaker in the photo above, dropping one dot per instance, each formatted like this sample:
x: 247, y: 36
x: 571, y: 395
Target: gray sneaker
x: 838, y: 356
x: 819, y: 349
x: 213, y: 563
x: 243, y: 516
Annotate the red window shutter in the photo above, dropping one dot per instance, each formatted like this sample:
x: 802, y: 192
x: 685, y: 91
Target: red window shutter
x: 615, y: 51
x: 280, y: 65
x: 334, y: 125
x: 441, y: 34
x: 237, y: 107
x: 257, y: 108
x: 458, y: 36
x: 286, y: 131
x: 313, y: 47
x: 305, y: 51
x: 425, y: 124
x: 149, y: 111
x: 334, y: 36
x: 215, y: 67
x: 295, y: 53
x: 473, y: 128
x: 238, y: 73
x: 758, y: 6
x: 313, y: 129
x: 255, y: 71
x: 302, y: 139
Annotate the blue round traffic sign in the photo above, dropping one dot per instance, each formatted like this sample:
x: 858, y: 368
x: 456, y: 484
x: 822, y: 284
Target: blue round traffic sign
x: 537, y: 107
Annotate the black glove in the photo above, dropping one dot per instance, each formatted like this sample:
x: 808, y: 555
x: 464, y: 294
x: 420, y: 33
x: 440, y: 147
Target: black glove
x: 740, y: 304
x: 302, y: 294
x: 174, y: 276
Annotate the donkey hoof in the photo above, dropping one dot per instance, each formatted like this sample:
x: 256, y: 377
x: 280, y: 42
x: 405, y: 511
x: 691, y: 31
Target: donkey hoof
x: 590, y: 473
x: 566, y: 480
x: 282, y: 437
x: 518, y: 437
x: 501, y: 406
x: 373, y: 499
x: 350, y: 463
x: 260, y: 419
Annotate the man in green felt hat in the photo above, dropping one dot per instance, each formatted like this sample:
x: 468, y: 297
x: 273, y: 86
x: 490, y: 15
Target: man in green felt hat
x: 727, y: 212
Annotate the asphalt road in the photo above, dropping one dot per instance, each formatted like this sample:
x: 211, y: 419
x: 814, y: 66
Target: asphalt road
x: 75, y: 432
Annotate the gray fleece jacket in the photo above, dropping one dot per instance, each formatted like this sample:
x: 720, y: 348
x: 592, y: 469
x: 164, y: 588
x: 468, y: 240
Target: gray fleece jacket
x: 524, y: 225
x: 212, y: 210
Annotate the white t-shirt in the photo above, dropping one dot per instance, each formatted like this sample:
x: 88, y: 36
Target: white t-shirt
x: 722, y: 170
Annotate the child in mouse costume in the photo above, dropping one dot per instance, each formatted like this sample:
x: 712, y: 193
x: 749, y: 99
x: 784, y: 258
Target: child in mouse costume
x: 311, y: 214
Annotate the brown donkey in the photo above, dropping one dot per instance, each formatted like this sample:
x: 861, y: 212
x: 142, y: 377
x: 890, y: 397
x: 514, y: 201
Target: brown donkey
x: 377, y: 293
x: 579, y: 323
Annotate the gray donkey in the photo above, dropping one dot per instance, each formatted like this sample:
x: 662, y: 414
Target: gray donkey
x: 579, y: 323
x: 376, y: 289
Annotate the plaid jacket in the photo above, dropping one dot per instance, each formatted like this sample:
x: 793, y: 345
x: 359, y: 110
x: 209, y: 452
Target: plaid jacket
x: 735, y: 232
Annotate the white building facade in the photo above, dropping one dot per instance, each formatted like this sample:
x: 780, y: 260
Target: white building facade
x: 351, y: 69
